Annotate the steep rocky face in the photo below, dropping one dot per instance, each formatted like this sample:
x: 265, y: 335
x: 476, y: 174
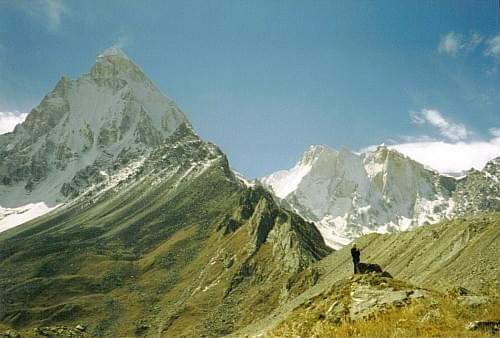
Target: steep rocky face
x: 96, y: 123
x: 347, y: 194
x: 479, y: 191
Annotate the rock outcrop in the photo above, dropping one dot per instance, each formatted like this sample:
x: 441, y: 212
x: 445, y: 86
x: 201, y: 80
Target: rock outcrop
x: 372, y: 268
x: 490, y: 326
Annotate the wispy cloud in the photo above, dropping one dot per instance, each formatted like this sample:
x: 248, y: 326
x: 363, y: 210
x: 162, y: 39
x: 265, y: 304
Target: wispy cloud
x: 495, y: 132
x: 474, y: 41
x: 448, y: 129
x: 493, y: 47
x: 50, y: 12
x: 450, y: 43
x: 453, y: 43
x: 55, y: 10
x: 8, y: 120
x: 121, y: 42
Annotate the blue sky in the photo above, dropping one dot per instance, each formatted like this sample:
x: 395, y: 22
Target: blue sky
x: 266, y: 79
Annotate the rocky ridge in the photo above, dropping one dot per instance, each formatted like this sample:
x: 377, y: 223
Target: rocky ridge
x: 167, y: 241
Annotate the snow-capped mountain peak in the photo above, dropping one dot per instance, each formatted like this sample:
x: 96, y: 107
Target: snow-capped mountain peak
x: 113, y: 51
x: 96, y: 123
x: 286, y: 181
x: 313, y: 154
x: 115, y: 64
x: 348, y: 194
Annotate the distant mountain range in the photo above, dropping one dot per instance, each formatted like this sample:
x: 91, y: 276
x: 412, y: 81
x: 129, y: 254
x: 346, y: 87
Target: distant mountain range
x: 348, y: 194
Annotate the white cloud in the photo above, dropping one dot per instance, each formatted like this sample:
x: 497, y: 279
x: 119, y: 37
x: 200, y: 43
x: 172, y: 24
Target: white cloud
x: 48, y: 11
x: 454, y: 153
x: 493, y: 47
x: 450, y: 43
x: 451, y: 131
x: 454, y: 43
x: 417, y: 118
x: 122, y: 42
x: 55, y: 9
x: 446, y: 157
x: 411, y: 139
x: 495, y: 132
x: 8, y: 120
x: 475, y: 40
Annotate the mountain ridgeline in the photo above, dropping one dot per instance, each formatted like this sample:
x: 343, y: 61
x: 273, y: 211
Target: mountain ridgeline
x: 348, y: 195
x: 157, y: 235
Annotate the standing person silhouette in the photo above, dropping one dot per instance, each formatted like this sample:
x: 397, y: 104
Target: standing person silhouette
x: 355, y: 253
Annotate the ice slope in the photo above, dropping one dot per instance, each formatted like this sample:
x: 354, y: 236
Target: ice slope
x: 285, y: 182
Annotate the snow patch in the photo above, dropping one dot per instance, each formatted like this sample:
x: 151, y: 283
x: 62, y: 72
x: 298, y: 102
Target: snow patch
x: 373, y: 168
x: 11, y: 217
x: 113, y: 51
x: 285, y: 182
x: 242, y: 179
x: 113, y: 180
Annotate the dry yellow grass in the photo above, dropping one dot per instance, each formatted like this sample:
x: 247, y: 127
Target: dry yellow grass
x: 442, y: 318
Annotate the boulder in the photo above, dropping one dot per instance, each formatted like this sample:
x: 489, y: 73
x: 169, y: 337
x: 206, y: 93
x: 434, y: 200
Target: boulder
x: 372, y: 267
x: 80, y: 327
x: 459, y: 291
x: 11, y: 334
x: 492, y: 326
x: 367, y: 300
x: 336, y: 308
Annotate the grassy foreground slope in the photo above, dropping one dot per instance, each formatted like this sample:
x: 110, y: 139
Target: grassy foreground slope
x: 375, y: 306
x: 441, y: 257
x: 183, y: 248
x: 461, y: 252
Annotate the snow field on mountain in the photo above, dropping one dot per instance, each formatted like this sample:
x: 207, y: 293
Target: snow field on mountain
x: 11, y: 217
x: 348, y: 195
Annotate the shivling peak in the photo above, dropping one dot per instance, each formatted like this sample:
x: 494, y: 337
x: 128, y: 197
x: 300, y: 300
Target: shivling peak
x: 113, y: 51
